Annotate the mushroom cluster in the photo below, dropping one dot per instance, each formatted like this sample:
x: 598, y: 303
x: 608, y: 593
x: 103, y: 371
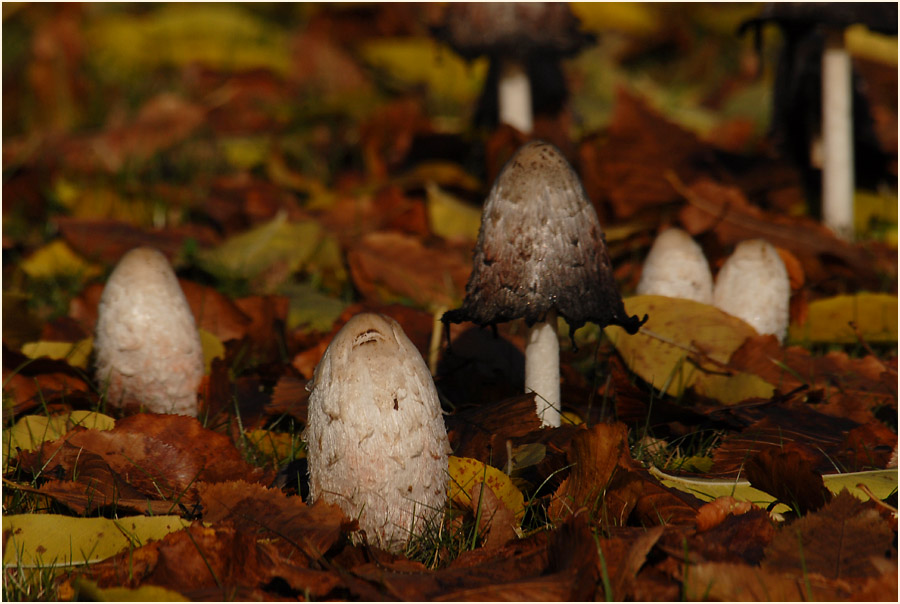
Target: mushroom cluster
x: 377, y: 444
x: 148, y: 350
x: 541, y: 251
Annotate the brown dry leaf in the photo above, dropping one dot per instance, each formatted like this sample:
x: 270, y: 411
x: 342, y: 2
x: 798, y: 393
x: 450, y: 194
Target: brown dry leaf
x: 389, y: 266
x: 290, y: 397
x: 268, y: 316
x: 628, y: 167
x: 214, y: 312
x: 200, y: 562
x: 657, y: 505
x: 497, y: 520
x: 744, y: 583
x: 714, y: 513
x: 738, y: 538
x: 623, y: 557
x: 788, y: 475
x: 482, y: 432
x: 595, y: 455
x: 837, y: 542
x: 272, y: 515
x: 161, y: 456
x: 108, y: 240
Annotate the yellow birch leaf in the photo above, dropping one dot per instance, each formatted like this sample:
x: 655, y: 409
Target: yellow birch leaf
x: 212, y: 349
x: 278, y: 445
x: 75, y: 354
x: 666, y: 353
x: 829, y: 320
x: 57, y: 258
x: 51, y: 540
x: 466, y: 473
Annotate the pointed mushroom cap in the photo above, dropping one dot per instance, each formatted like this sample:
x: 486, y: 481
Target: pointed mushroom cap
x: 147, y: 345
x: 676, y: 267
x: 377, y: 445
x: 753, y: 285
x: 540, y: 247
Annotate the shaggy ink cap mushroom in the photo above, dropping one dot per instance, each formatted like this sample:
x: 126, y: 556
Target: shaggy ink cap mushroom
x: 541, y: 248
x: 148, y: 350
x: 376, y: 442
x: 677, y: 268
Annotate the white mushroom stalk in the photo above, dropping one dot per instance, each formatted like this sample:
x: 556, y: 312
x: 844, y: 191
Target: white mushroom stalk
x: 753, y: 285
x: 148, y: 350
x: 677, y: 268
x: 542, y: 368
x: 837, y: 136
x: 514, y: 97
x: 377, y: 445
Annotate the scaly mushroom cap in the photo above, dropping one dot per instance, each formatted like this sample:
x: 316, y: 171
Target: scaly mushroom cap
x: 753, y: 285
x: 148, y: 350
x: 511, y: 28
x: 540, y: 247
x: 377, y: 445
x: 676, y: 267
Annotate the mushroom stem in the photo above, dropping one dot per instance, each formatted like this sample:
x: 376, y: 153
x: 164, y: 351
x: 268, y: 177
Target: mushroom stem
x: 514, y: 96
x: 837, y: 136
x: 542, y: 368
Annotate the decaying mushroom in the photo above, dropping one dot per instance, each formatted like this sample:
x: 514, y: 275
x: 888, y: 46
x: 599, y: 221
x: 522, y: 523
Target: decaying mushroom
x: 753, y: 285
x: 676, y: 267
x: 377, y: 445
x: 540, y: 252
x: 148, y: 351
x: 522, y: 39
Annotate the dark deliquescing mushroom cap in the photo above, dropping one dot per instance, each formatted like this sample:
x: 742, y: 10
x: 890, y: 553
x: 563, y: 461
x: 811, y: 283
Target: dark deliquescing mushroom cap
x: 511, y: 28
x: 541, y: 247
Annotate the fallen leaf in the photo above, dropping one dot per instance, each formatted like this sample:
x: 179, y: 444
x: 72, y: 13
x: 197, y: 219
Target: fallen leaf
x: 787, y: 475
x: 75, y: 354
x: 88, y: 590
x: 450, y: 217
x: 466, y: 474
x: 57, y: 259
x: 714, y: 513
x: 875, y: 316
x: 686, y: 344
x: 51, y: 540
x: 31, y: 430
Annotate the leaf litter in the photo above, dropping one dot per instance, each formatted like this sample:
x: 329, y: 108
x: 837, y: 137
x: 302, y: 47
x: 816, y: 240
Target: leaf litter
x: 290, y: 199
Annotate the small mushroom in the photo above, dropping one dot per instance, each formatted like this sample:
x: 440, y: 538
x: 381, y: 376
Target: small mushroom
x: 676, y: 267
x: 148, y: 351
x: 540, y: 252
x: 377, y: 445
x: 753, y: 285
x: 521, y: 39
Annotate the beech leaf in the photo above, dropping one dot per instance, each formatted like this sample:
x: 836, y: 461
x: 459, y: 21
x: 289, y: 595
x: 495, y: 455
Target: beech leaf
x: 467, y: 474
x: 875, y: 315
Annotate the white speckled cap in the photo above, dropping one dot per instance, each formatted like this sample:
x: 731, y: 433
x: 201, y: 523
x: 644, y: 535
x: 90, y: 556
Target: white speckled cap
x: 753, y: 285
x: 677, y: 268
x: 148, y: 351
x: 377, y: 445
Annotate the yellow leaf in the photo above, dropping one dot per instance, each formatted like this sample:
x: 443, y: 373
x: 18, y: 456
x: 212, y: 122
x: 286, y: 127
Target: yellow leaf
x: 76, y: 354
x: 104, y: 201
x: 629, y: 17
x: 278, y: 445
x: 245, y: 153
x: 861, y: 42
x: 450, y: 217
x: 51, y: 540
x: 251, y: 253
x: 466, y: 473
x: 228, y: 37
x: 30, y: 431
x: 422, y: 62
x: 212, y: 349
x: 442, y: 173
x: 667, y: 351
x: 89, y: 591
x: 570, y: 417
x: 55, y: 259
x: 881, y: 482
x: 828, y: 320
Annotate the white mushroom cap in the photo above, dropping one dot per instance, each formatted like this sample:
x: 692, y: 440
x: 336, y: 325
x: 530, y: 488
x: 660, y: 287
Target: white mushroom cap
x: 753, y: 285
x: 377, y: 444
x: 676, y: 267
x: 148, y: 350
